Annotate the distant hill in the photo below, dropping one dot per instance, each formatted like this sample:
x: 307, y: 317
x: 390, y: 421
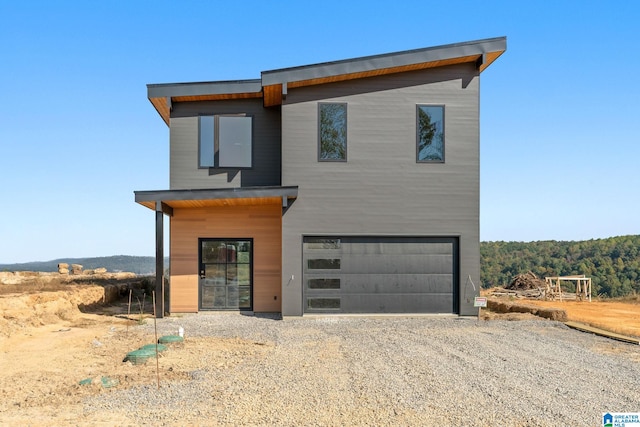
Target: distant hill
x: 143, y: 265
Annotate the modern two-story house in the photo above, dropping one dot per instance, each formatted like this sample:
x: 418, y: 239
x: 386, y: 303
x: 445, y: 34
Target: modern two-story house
x: 340, y: 187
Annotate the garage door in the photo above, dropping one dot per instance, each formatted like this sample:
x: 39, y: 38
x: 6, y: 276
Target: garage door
x: 379, y: 274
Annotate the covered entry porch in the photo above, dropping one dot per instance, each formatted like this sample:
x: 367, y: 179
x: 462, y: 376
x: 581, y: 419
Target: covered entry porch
x: 250, y: 215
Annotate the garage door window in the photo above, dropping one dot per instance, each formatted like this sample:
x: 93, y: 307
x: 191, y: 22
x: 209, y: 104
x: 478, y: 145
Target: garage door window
x: 323, y: 303
x: 321, y: 243
x: 323, y: 283
x: 324, y: 264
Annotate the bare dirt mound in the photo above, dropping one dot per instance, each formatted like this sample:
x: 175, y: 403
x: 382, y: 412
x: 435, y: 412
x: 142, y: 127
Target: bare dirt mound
x: 22, y: 282
x: 498, y: 306
x: 21, y: 311
x: 36, y: 299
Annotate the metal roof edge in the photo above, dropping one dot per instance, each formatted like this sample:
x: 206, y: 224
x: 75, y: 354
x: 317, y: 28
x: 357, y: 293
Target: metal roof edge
x: 328, y: 69
x: 387, y: 60
x: 160, y: 90
x: 216, y: 193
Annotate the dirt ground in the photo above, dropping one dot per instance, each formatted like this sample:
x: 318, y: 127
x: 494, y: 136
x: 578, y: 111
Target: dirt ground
x: 42, y: 367
x: 615, y: 316
x: 47, y: 346
x: 621, y: 316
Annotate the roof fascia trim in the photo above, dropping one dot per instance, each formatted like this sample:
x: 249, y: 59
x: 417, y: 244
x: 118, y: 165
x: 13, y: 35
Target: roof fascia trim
x: 389, y: 60
x: 203, y: 88
x: 290, y: 192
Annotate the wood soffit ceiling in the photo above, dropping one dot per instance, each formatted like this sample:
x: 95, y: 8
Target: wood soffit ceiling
x: 273, y: 94
x: 207, y: 203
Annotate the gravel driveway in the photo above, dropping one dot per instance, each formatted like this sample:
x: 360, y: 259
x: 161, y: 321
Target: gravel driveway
x: 391, y: 371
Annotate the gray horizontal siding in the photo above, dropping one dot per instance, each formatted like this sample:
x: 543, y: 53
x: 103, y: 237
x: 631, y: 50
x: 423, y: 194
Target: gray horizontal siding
x: 381, y: 190
x: 184, y: 172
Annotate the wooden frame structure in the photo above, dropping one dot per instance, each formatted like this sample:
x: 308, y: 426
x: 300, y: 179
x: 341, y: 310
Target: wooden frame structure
x: 583, y: 287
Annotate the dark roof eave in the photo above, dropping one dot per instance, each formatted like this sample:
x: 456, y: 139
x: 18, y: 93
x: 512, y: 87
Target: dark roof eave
x: 290, y: 192
x: 162, y: 95
x: 389, y: 60
x: 163, y: 90
x: 328, y: 69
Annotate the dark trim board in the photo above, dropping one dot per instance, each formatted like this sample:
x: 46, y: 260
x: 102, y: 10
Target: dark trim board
x: 170, y: 199
x: 380, y: 274
x: 216, y: 193
x: 199, y: 88
x: 383, y: 61
x: 274, y: 85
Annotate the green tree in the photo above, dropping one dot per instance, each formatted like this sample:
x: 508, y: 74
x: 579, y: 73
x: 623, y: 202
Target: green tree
x: 613, y: 263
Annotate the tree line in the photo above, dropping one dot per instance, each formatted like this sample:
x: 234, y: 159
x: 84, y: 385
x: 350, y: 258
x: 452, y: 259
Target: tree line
x: 613, y: 263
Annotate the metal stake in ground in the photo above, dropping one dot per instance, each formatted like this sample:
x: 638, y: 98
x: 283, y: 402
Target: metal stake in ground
x: 155, y: 328
x: 129, y: 311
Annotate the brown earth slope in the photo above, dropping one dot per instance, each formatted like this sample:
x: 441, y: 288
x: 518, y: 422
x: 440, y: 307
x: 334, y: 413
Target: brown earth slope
x: 615, y: 316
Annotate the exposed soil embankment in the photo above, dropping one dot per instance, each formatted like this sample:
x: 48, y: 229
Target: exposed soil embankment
x: 512, y: 307
x: 33, y: 281
x: 28, y: 301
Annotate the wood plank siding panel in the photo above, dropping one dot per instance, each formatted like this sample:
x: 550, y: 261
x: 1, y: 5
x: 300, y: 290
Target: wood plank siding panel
x: 184, y: 172
x: 381, y: 189
x: 183, y: 295
x: 262, y: 223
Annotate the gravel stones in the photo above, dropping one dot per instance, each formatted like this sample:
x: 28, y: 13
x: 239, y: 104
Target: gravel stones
x: 388, y: 371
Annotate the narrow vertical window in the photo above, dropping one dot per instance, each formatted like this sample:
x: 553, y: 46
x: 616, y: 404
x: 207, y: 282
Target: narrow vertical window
x: 332, y: 132
x: 430, y: 133
x: 206, y: 142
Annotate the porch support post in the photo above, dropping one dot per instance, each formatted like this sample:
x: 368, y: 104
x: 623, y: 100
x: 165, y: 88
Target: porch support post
x: 159, y: 260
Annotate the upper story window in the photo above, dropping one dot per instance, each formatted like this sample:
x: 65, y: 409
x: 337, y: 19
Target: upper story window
x: 430, y: 133
x: 224, y: 141
x: 332, y: 132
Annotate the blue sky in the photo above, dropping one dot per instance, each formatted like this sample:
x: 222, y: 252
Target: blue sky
x: 560, y: 127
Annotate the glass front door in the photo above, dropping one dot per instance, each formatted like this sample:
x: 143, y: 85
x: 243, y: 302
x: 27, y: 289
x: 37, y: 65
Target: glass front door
x: 226, y: 274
